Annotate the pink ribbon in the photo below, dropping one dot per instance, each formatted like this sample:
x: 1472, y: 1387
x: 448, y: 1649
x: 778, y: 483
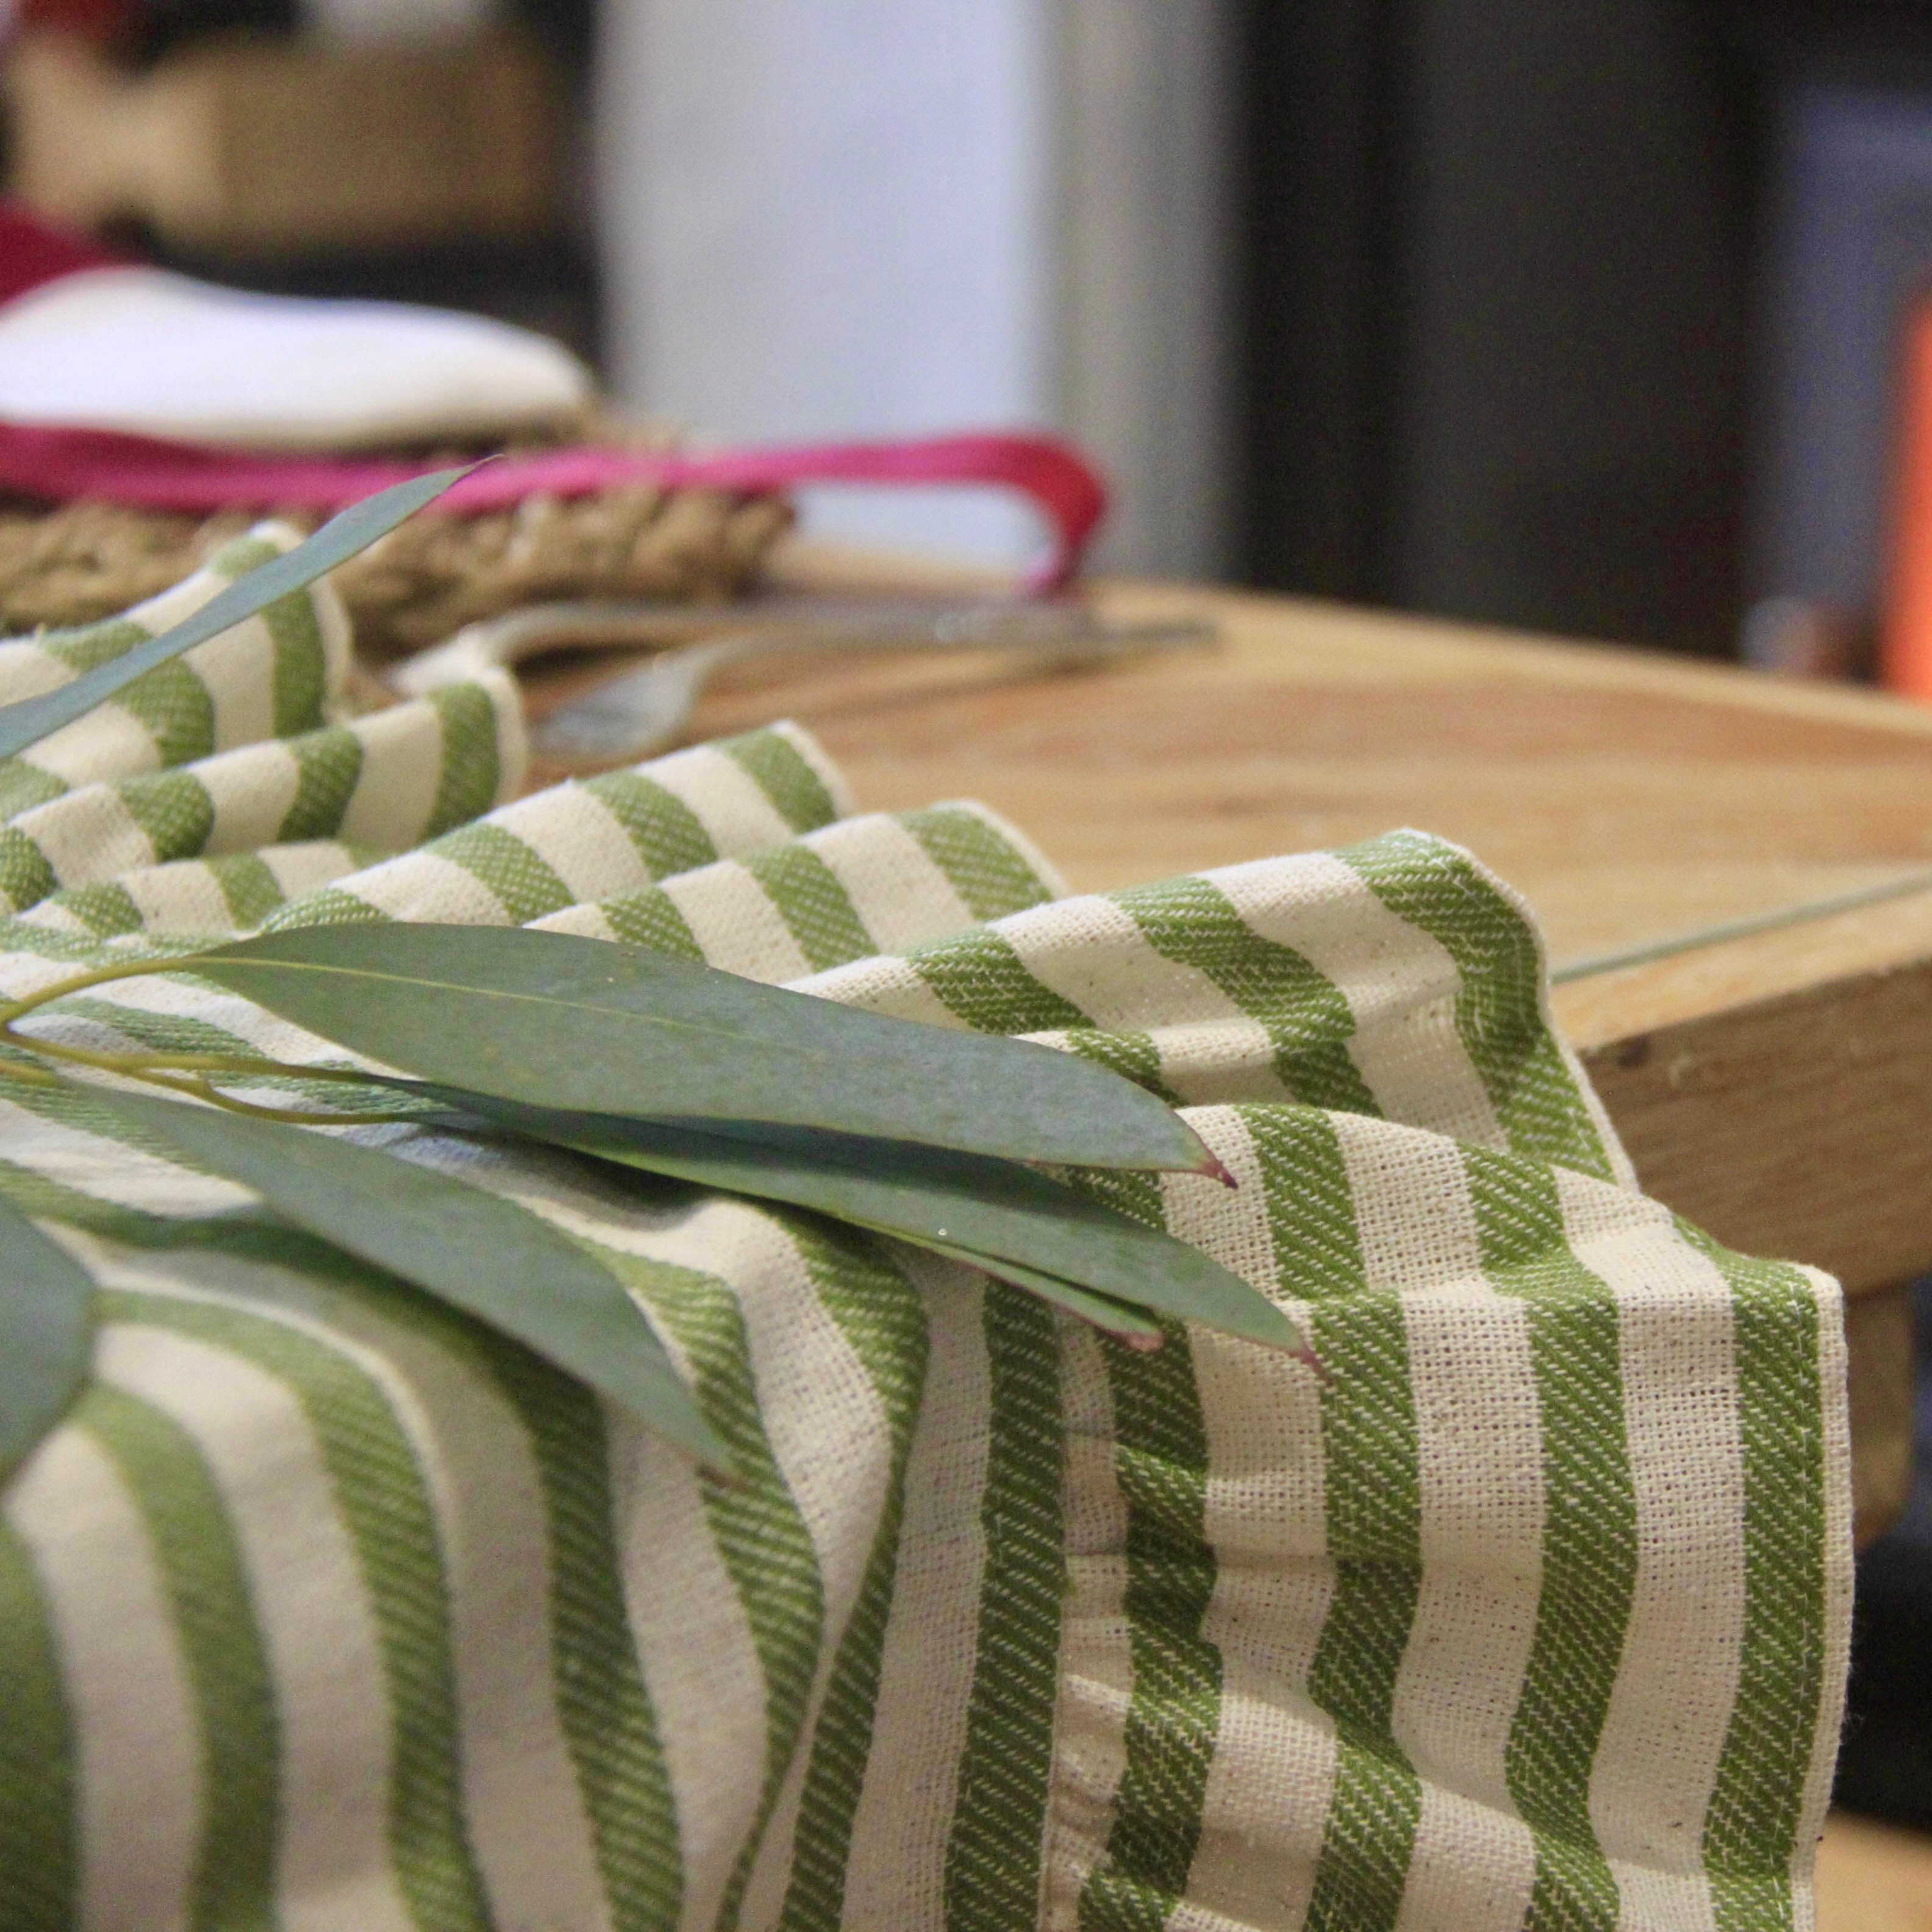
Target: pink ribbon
x: 145, y: 471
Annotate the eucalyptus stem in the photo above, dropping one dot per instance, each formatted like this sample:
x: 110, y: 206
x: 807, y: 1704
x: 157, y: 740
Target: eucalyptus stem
x: 235, y: 1065
x: 27, y: 1075
x: 157, y: 1069
x: 131, y: 969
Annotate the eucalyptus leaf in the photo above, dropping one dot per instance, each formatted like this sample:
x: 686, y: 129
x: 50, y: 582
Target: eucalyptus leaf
x: 997, y: 1213
x: 1126, y: 1323
x: 474, y: 1249
x: 355, y: 529
x: 46, y: 1330
x: 549, y: 1019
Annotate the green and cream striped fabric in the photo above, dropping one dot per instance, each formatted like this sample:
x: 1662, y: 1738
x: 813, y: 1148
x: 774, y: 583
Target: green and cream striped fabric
x: 242, y: 753
x: 328, y: 1608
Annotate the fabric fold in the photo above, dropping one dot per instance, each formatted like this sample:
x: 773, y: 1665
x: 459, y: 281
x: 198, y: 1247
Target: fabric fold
x: 328, y: 1607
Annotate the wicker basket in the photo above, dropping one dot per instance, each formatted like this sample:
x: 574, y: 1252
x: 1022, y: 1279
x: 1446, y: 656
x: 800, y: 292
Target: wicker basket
x: 78, y: 562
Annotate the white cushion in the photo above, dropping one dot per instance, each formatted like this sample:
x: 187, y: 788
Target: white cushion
x: 140, y: 349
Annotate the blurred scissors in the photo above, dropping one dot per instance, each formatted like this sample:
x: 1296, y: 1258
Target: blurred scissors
x: 648, y: 709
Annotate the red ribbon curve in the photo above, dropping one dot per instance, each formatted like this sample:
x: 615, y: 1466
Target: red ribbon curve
x: 66, y: 463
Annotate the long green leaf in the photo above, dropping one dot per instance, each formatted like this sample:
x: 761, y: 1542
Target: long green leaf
x: 587, y: 1025
x: 476, y: 1250
x: 47, y: 1330
x: 996, y: 1213
x: 355, y: 529
x: 1128, y: 1323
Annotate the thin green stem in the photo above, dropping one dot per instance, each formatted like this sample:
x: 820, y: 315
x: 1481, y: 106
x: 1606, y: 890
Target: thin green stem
x: 160, y: 1070
x: 138, y: 1065
x: 237, y: 1065
x: 28, y: 1075
x: 132, y: 969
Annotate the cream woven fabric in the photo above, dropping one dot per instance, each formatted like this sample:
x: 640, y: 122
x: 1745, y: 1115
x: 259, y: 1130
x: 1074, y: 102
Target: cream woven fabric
x: 330, y: 1609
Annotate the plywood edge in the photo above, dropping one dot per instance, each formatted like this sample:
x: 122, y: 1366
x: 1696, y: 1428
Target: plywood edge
x: 1701, y: 981
x: 1798, y: 1125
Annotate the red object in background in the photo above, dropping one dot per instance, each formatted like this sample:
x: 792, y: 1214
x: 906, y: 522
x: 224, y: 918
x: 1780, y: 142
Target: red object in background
x: 32, y: 252
x: 105, y: 22
x: 1905, y: 649
x: 67, y: 463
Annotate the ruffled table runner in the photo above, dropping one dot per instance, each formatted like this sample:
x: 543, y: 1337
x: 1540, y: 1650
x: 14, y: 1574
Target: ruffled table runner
x: 327, y: 1607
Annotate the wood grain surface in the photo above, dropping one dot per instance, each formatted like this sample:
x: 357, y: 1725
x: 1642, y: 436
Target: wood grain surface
x: 1872, y: 1878
x: 1776, y: 1089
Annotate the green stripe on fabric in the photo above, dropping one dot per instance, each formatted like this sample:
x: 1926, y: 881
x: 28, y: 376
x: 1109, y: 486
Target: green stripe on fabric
x: 608, y: 1722
x: 1589, y: 1531
x: 83, y: 650
x: 1499, y: 1006
x: 87, y: 646
x: 207, y: 1585
x: 761, y: 1536
x: 993, y: 1855
x: 174, y: 707
x: 472, y: 768
x: 1193, y: 922
x: 20, y: 938
x: 1173, y: 1720
x: 40, y: 1836
x: 24, y: 785
x: 328, y: 766
x: 105, y: 910
x: 1371, y: 1456
x: 987, y: 872
x: 1132, y: 1055
x: 241, y: 554
x: 881, y: 1317
x: 1750, y: 1829
x: 249, y: 886
x: 669, y: 837
x: 524, y: 884
x: 174, y: 809
x: 386, y: 1508
x: 646, y: 916
x: 814, y: 905
x: 25, y: 877
x: 330, y: 905
x: 1376, y: 1806
x: 781, y: 772
x: 609, y: 1727
x: 979, y: 976
x: 299, y: 678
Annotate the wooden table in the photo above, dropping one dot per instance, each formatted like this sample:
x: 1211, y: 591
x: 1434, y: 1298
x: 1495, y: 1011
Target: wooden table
x: 1778, y: 1090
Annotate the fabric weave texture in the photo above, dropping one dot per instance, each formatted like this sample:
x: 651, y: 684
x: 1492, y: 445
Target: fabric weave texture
x: 329, y: 1609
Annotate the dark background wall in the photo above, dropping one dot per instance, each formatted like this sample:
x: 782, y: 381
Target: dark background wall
x: 1500, y: 306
